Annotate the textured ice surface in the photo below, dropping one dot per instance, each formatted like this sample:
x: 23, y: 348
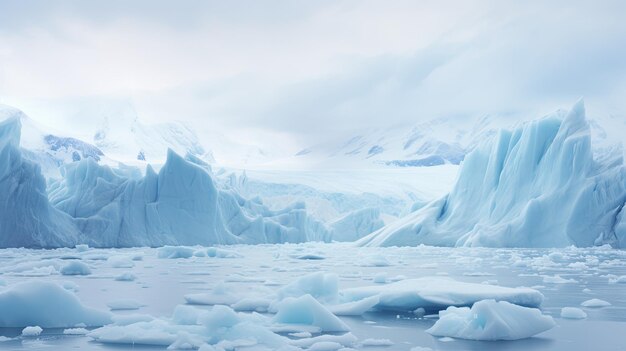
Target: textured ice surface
x: 535, y: 186
x: 104, y: 207
x: 26, y: 216
x: 435, y: 293
x: 491, y: 320
x: 47, y: 305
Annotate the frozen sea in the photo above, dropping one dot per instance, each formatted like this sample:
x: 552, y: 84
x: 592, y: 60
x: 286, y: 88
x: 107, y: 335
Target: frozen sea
x: 566, y: 277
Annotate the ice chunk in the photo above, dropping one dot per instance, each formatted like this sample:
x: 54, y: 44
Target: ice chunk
x: 595, y: 303
x: 306, y: 310
x: 436, y: 293
x: 120, y: 261
x: 573, y: 313
x: 175, y: 252
x: 126, y: 277
x: 491, y: 320
x: 32, y: 331
x: 221, y: 253
x: 186, y: 315
x: 325, y: 346
x: 75, y: 268
x: 124, y: 304
x: 75, y: 331
x: 186, y: 341
x: 252, y: 304
x: 380, y: 278
x: 82, y: 247
x: 45, y: 304
x: 355, y: 308
x: 557, y: 279
x: 322, y: 286
x: 376, y: 342
x: 222, y: 294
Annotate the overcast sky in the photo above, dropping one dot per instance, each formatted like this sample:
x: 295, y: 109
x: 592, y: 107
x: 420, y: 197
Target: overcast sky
x: 293, y: 72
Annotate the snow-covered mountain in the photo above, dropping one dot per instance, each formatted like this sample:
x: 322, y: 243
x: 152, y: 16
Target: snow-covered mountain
x: 122, y: 136
x: 536, y: 186
x: 50, y: 148
x: 432, y: 143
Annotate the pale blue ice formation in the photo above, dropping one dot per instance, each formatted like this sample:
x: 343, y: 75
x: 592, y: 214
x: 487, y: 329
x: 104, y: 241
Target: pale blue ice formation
x: 535, y: 186
x: 104, y: 207
x: 26, y: 216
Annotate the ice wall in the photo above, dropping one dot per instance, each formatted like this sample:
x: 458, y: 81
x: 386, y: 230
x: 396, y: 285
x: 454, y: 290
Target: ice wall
x: 105, y: 207
x: 535, y: 186
x: 26, y: 217
x: 181, y: 205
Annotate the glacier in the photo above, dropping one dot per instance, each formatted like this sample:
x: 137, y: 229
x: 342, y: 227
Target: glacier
x: 100, y: 206
x: 26, y: 216
x: 535, y: 186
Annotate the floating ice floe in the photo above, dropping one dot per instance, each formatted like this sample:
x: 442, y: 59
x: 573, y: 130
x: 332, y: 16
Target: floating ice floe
x: 491, y: 320
x: 124, y: 304
x: 126, y: 277
x: 218, y: 328
x: 175, y: 252
x: 436, y: 293
x: 557, y: 279
x: 75, y: 331
x: 595, y: 303
x: 75, y: 268
x: 305, y: 310
x: 573, y: 313
x: 32, y: 331
x: 47, y: 305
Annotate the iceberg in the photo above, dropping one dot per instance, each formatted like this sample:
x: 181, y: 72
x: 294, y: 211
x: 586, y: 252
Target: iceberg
x: 48, y: 305
x: 491, y: 320
x: 100, y: 206
x: 26, y: 216
x: 536, y: 186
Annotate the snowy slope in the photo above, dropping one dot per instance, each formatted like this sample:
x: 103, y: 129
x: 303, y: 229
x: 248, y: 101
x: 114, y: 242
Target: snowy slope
x: 535, y: 186
x: 123, y: 137
x: 49, y: 148
x: 434, y: 142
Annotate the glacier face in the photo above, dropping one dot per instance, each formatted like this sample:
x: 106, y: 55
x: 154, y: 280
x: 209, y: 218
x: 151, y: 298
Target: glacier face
x: 26, y: 216
x: 104, y: 207
x: 535, y: 186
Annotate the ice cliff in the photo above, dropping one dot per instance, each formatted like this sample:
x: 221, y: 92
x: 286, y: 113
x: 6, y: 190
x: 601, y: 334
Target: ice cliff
x: 535, y: 186
x: 105, y: 207
x: 26, y: 216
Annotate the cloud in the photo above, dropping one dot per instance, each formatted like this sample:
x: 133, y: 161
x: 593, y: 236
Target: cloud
x: 304, y: 70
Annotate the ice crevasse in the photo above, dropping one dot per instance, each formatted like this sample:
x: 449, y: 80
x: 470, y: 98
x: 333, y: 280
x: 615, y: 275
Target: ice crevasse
x: 104, y: 207
x: 535, y: 186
